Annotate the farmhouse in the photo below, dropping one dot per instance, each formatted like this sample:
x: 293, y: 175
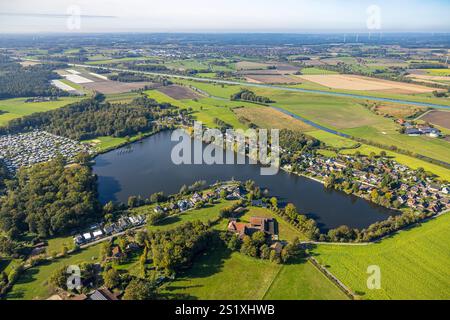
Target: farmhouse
x: 267, y: 225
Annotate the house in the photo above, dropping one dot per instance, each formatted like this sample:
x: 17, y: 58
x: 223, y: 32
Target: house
x: 257, y: 203
x: 87, y: 236
x: 108, y: 229
x: 413, y: 132
x: 102, y: 294
x: 36, y: 251
x: 267, y: 225
x: 97, y: 234
x: 116, y: 253
x: 445, y: 190
x: 158, y: 209
x: 238, y: 228
x: 79, y: 240
x: 434, y: 187
x: 277, y: 247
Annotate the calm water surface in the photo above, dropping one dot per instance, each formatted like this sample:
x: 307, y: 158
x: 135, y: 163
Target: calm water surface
x: 146, y: 167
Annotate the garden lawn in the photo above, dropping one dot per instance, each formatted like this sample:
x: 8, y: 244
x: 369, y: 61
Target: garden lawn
x: 414, y: 263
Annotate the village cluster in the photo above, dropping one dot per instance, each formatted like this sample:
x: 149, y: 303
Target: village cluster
x: 369, y: 177
x: 232, y: 193
x: 414, y: 130
x: 98, y: 232
x: 27, y: 149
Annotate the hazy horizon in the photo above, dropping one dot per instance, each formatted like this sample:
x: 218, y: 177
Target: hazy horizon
x: 232, y: 16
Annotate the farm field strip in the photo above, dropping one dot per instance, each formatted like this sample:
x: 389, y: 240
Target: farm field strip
x: 366, y: 95
x: 352, y: 82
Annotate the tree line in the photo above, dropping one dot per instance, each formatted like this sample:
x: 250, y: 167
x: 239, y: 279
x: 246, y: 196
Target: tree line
x: 18, y: 81
x: 91, y: 118
x: 247, y: 95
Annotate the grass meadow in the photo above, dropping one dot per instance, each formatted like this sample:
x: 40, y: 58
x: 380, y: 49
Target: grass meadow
x: 17, y: 107
x: 414, y: 263
x: 221, y: 274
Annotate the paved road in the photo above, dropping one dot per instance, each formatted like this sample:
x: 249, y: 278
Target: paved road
x: 258, y: 85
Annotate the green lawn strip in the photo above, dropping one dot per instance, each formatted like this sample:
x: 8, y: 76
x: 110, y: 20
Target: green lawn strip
x: 33, y: 283
x: 413, y: 263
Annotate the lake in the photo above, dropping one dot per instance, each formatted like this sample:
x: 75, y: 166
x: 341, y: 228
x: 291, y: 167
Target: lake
x: 146, y: 167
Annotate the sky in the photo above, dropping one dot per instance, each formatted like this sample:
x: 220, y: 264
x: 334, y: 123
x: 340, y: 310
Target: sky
x: 31, y: 16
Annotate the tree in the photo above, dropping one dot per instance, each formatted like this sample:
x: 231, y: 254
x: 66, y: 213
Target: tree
x: 274, y: 202
x: 274, y: 257
x: 258, y: 238
x: 111, y: 278
x: 108, y: 208
x: 291, y: 211
x: 132, y: 202
x: 105, y: 250
x: 265, y: 252
x: 139, y: 289
x: 140, y: 237
x: 234, y: 243
x: 59, y: 278
x: 248, y: 247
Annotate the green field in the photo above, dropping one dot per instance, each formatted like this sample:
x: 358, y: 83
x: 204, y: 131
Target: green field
x: 431, y: 147
x: 16, y: 108
x: 337, y: 113
x: 33, y: 283
x: 438, y: 72
x: 206, y: 109
x: 414, y: 263
x: 220, y: 274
